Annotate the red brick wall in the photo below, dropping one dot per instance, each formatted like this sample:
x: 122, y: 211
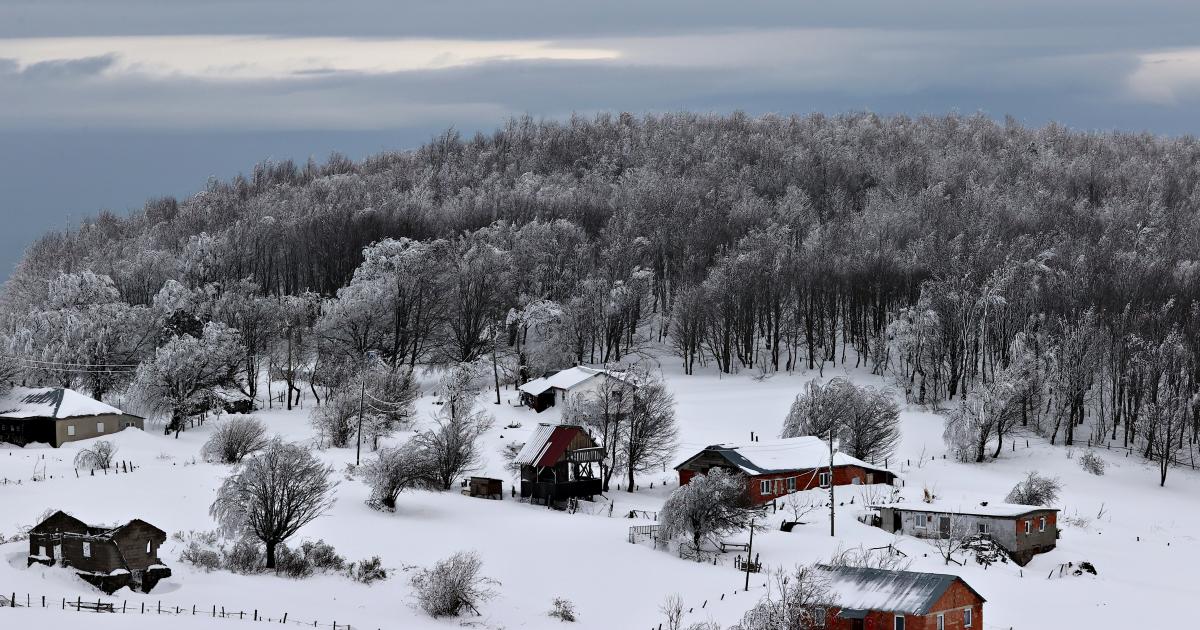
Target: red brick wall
x: 805, y: 480
x: 951, y: 605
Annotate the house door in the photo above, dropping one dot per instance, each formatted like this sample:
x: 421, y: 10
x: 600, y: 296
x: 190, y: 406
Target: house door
x: 856, y: 624
x: 944, y: 526
x: 57, y: 554
x: 896, y: 524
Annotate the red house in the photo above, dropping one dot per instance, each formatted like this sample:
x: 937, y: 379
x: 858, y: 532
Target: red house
x: 879, y: 599
x: 776, y: 468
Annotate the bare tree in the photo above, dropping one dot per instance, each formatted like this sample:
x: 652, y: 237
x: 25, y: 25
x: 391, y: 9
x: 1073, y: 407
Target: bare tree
x: 708, y: 506
x: 273, y: 495
x: 234, y: 439
x: 650, y: 431
x: 605, y: 412
x: 393, y: 471
x: 98, y: 456
x: 799, y: 600
x: 1035, y: 489
x: 866, y: 420
x: 951, y: 538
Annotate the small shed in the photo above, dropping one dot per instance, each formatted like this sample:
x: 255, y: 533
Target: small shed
x: 485, y: 487
x: 1021, y: 530
x: 553, y: 388
x: 881, y: 599
x: 556, y: 464
x: 56, y: 415
x: 108, y: 557
x: 776, y: 468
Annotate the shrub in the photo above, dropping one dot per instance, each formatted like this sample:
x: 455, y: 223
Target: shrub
x: 562, y: 609
x: 234, y: 439
x: 1035, y: 490
x: 1092, y: 463
x: 292, y: 563
x: 245, y: 556
x: 367, y: 571
x: 322, y: 556
x: 337, y: 420
x: 200, y: 556
x: 453, y: 585
x: 98, y: 456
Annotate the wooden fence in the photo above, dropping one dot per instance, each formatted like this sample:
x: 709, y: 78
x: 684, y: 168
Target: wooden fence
x: 142, y: 608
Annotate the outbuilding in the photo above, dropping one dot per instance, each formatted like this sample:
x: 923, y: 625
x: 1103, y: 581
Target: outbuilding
x: 554, y: 388
x: 1021, y: 530
x: 775, y: 468
x: 881, y: 599
x: 556, y: 464
x: 56, y: 415
x: 108, y: 557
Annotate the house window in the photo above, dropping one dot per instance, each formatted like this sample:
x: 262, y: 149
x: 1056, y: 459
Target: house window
x: 899, y: 622
x: 1028, y: 527
x: 823, y: 478
x: 919, y: 521
x: 983, y: 528
x: 967, y: 618
x: 791, y: 484
x: 764, y: 487
x: 1042, y: 524
x: 87, y: 550
x: 941, y: 622
x: 99, y: 427
x: 70, y: 429
x: 148, y: 552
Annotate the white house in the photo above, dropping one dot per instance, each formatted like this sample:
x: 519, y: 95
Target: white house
x: 565, y: 385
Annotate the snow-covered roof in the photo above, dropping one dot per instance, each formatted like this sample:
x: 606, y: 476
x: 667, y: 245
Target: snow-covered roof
x: 51, y: 402
x: 908, y: 592
x: 549, y: 443
x: 535, y: 445
x: 784, y: 454
x: 1000, y: 510
x: 564, y: 379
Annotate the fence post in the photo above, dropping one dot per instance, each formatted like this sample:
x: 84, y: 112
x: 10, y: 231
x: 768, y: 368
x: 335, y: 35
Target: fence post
x: 284, y: 617
x: 123, y: 602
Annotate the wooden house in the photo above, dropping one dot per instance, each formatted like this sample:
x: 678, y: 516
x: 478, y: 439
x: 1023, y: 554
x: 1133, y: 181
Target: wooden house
x: 484, y: 487
x: 559, y: 387
x: 56, y: 415
x: 1021, y: 530
x: 776, y: 468
x: 108, y: 557
x: 879, y: 599
x: 556, y: 464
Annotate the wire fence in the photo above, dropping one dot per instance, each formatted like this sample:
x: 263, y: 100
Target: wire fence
x: 214, y: 611
x: 118, y: 468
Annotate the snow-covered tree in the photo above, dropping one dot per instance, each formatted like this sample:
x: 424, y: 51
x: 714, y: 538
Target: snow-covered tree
x: 1035, y: 489
x: 865, y: 420
x: 453, y: 585
x: 395, y: 470
x: 183, y: 372
x: 649, y: 432
x: 451, y: 445
x: 796, y: 600
x: 273, y: 495
x: 707, y: 507
x: 234, y: 439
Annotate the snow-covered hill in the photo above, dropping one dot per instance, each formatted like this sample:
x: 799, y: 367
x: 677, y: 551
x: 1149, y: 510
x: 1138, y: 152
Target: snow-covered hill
x: 1140, y: 537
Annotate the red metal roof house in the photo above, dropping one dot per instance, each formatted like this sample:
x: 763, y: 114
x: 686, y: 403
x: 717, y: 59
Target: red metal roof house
x: 556, y: 464
x: 880, y: 599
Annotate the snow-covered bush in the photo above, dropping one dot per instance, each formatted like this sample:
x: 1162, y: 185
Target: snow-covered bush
x: 98, y: 456
x: 562, y: 609
x: 453, y: 585
x: 234, y: 439
x: 336, y: 421
x: 367, y: 571
x: 1092, y: 463
x: 393, y: 471
x: 798, y: 601
x: 244, y: 556
x: 322, y: 556
x: 201, y: 556
x: 1035, y: 490
x: 708, y: 506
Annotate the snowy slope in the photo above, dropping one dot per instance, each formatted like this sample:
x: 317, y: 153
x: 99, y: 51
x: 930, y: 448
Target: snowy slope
x: 537, y: 554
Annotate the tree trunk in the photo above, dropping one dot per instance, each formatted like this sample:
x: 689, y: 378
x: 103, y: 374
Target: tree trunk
x: 271, y: 555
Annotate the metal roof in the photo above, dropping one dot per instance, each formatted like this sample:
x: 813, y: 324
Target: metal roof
x: 909, y: 592
x: 548, y: 444
x: 782, y: 455
x: 998, y: 510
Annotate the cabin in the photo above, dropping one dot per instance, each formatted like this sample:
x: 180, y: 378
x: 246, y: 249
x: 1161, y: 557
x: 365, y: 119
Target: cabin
x: 1021, y: 530
x: 554, y: 388
x: 108, y: 557
x: 776, y: 468
x: 880, y: 599
x: 556, y: 464
x: 56, y: 415
x: 484, y: 487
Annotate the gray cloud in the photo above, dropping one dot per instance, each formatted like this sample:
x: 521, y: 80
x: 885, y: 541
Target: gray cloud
x: 67, y: 69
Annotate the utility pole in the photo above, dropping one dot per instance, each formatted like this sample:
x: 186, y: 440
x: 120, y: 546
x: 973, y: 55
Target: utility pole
x: 362, y: 393
x: 495, y: 369
x: 749, y: 550
x: 831, y: 503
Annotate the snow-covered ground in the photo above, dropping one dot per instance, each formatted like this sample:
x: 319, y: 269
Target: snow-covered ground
x: 1142, y: 546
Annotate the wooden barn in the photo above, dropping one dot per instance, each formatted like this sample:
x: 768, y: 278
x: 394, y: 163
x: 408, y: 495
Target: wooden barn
x: 1022, y: 530
x: 879, y: 599
x: 556, y: 464
x: 775, y: 468
x: 56, y: 415
x: 555, y: 388
x: 108, y: 557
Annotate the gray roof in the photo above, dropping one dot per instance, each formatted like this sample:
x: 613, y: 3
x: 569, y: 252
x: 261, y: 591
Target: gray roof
x: 908, y: 592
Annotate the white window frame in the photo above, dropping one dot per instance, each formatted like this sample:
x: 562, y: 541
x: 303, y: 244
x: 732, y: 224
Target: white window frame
x: 983, y: 527
x: 824, y: 479
x: 87, y: 549
x: 1028, y: 527
x: 899, y: 623
x: 764, y: 487
x: 968, y: 617
x: 99, y: 427
x: 148, y: 548
x: 941, y: 621
x: 1042, y: 524
x: 919, y: 520
x: 70, y: 430
x: 791, y: 484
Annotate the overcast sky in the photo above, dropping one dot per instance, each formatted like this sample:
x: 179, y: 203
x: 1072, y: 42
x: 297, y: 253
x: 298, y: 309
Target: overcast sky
x: 104, y: 103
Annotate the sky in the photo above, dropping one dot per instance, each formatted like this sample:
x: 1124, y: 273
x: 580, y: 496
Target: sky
x: 105, y: 103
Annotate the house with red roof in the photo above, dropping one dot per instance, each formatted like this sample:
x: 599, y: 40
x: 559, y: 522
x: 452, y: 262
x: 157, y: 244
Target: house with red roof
x: 556, y: 464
